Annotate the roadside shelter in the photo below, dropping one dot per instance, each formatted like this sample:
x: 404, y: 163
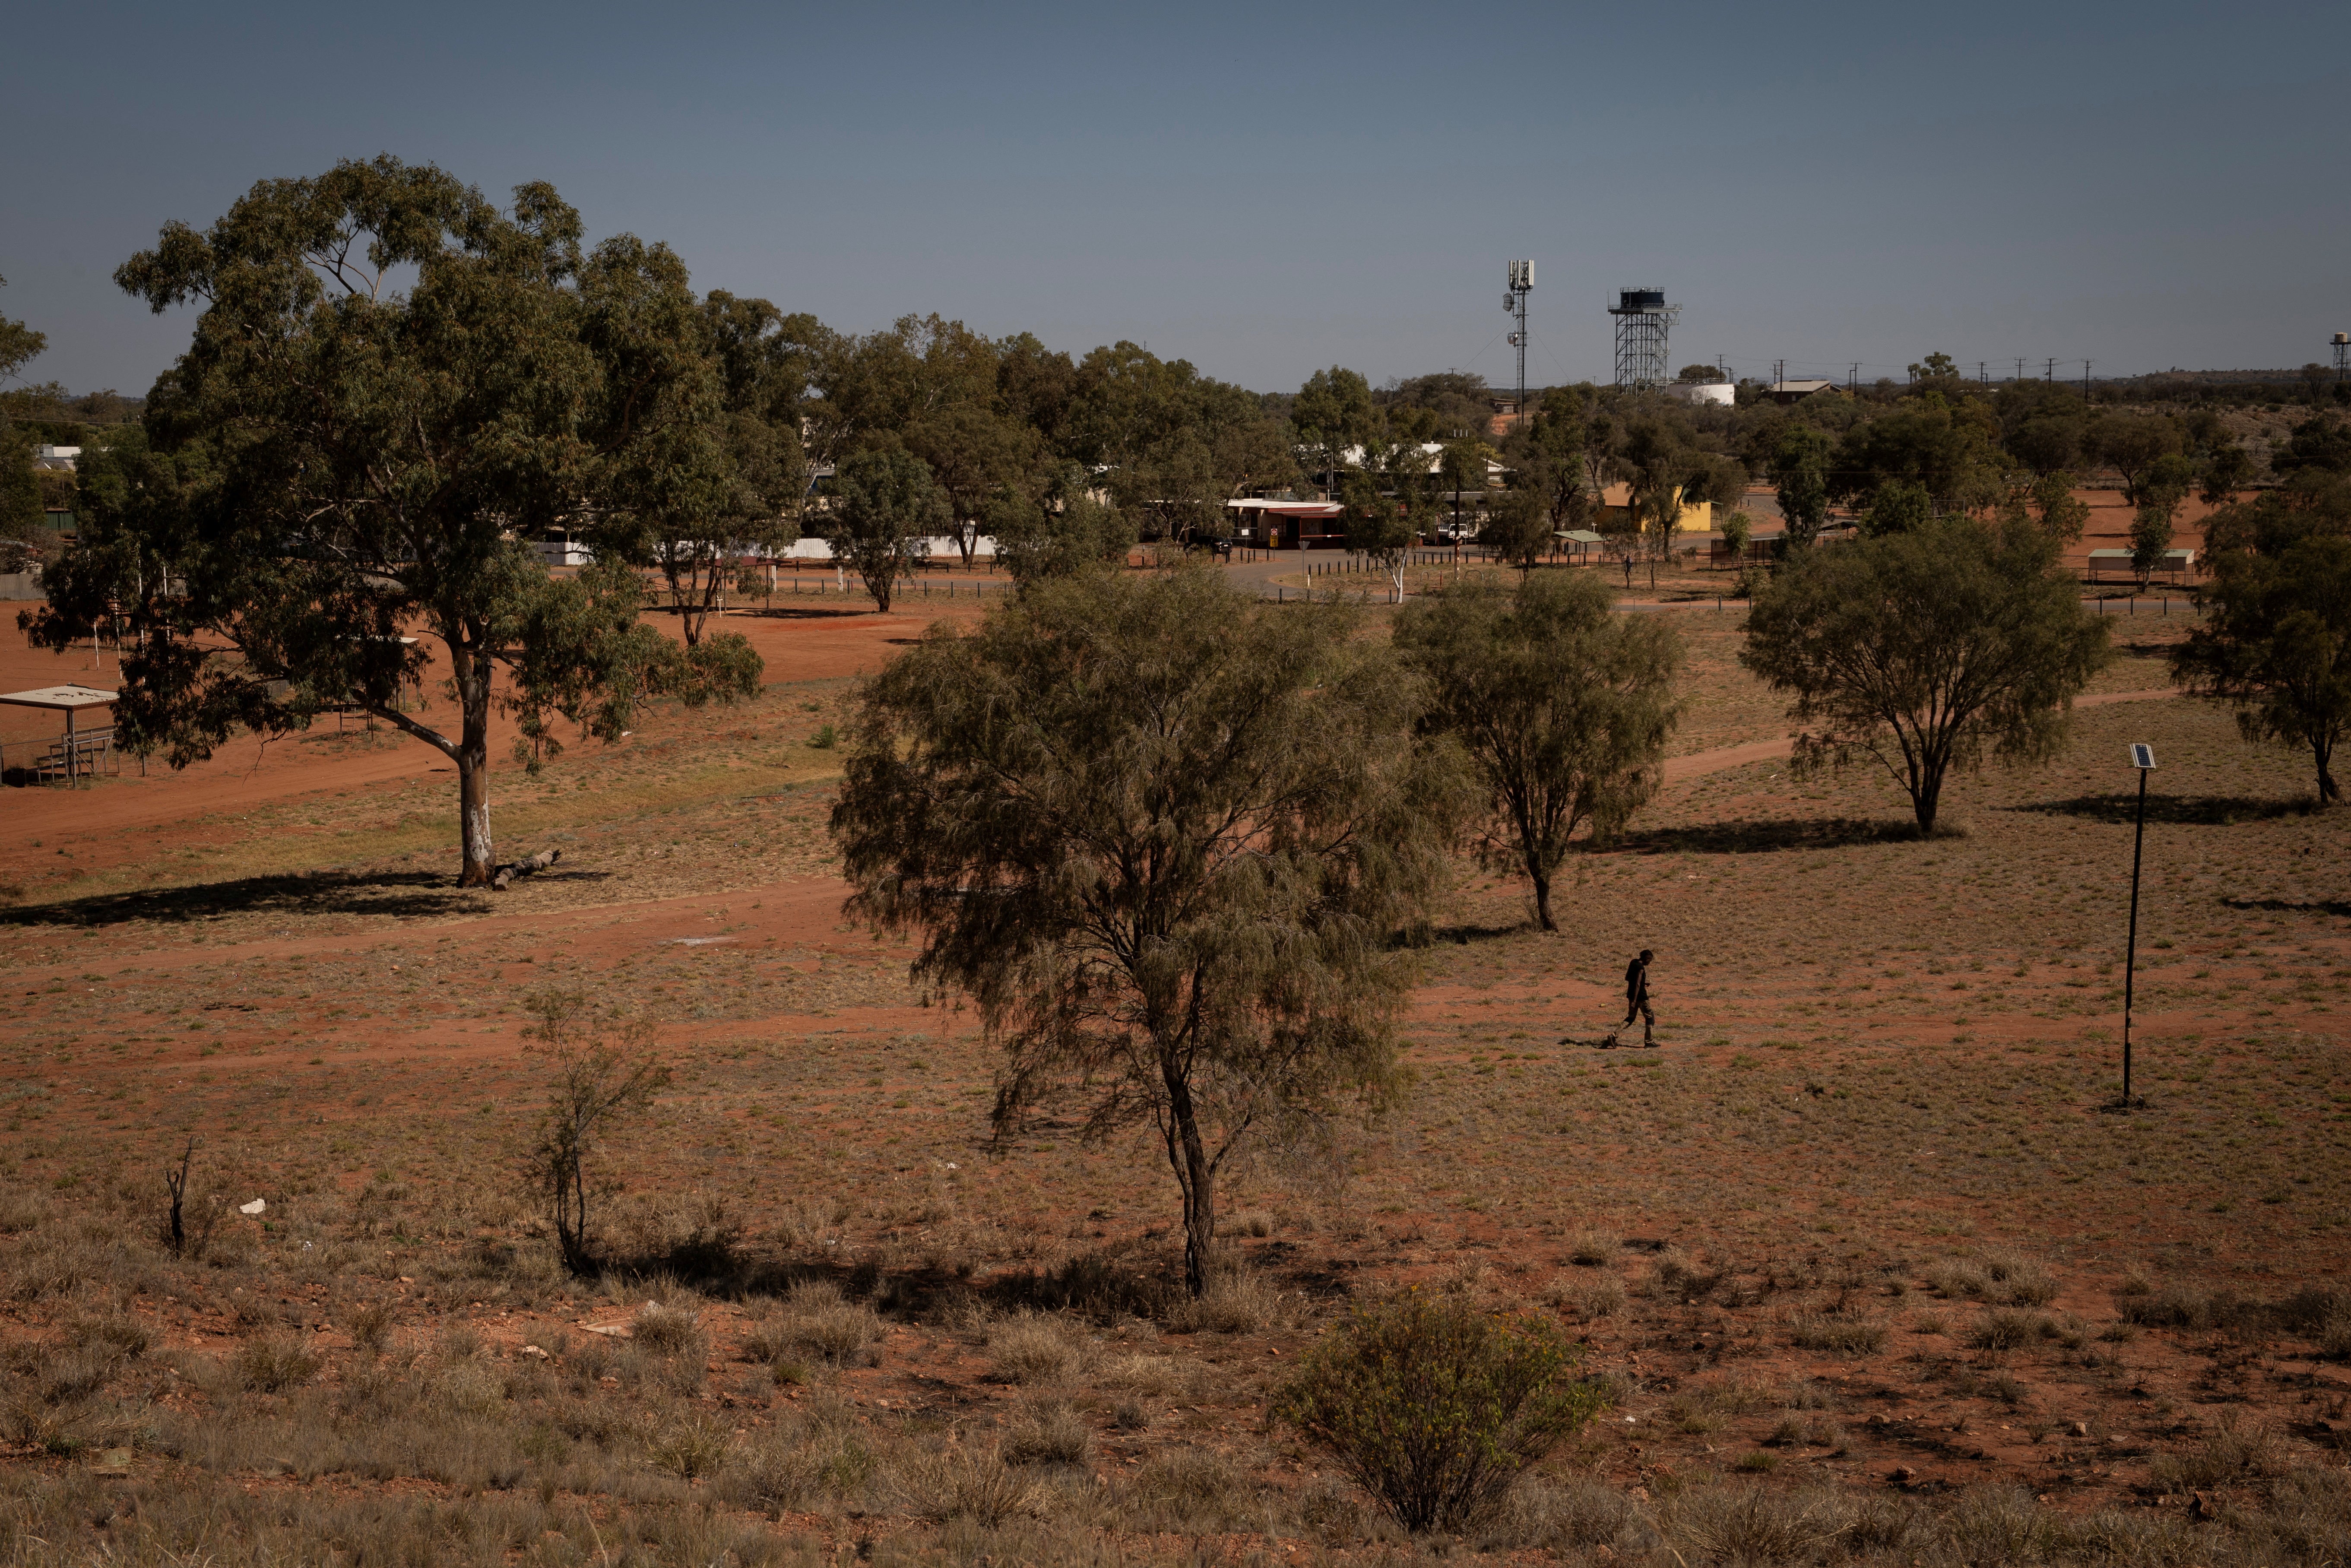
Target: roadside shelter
x: 81, y: 750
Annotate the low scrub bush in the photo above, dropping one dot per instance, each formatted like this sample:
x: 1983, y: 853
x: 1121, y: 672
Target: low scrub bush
x: 2236, y: 1450
x: 1592, y: 1248
x: 960, y: 1482
x: 269, y: 1363
x: 1048, y: 1435
x: 816, y: 1324
x: 1029, y: 1349
x: 1829, y: 1331
x: 1436, y: 1406
x: 1236, y: 1302
x: 2010, y: 1331
x: 668, y: 1330
x: 691, y: 1450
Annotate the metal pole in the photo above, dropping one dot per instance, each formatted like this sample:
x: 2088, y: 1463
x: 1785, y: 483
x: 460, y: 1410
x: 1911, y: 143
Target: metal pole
x: 2130, y: 953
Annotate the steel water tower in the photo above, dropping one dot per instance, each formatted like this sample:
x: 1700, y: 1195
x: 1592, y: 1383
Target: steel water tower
x: 1644, y: 320
x: 2341, y: 354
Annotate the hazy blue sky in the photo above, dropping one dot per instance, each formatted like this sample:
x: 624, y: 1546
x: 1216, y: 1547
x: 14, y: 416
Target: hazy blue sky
x: 1266, y: 189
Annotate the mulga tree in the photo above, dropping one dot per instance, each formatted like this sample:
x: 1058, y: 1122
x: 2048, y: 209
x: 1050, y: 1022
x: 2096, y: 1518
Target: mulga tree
x: 1563, y: 707
x: 1926, y: 651
x: 337, y: 464
x: 885, y: 509
x: 2275, y: 646
x: 1164, y: 836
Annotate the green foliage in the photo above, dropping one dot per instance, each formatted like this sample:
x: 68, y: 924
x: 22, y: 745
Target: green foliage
x: 1517, y: 528
x: 1065, y: 533
x: 702, y: 466
x: 333, y: 466
x: 19, y: 344
x: 885, y: 508
x: 1436, y: 1406
x: 2064, y: 514
x: 1925, y: 650
x: 1736, y: 528
x: 1162, y: 835
x: 1564, y: 707
x: 1948, y: 445
x: 1384, y: 523
x: 2131, y: 444
x: 1800, y: 479
x: 1897, y: 507
x: 2275, y: 645
x: 2151, y: 532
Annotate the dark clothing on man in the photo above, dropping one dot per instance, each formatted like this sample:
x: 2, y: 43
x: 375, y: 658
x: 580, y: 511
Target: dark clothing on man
x: 1636, y: 1001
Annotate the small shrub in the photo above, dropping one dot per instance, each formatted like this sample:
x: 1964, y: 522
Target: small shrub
x: 1247, y: 1222
x: 271, y: 1363
x: 1567, y: 1515
x: 692, y: 1448
x: 1236, y: 1302
x: 2010, y: 1331
x: 1048, y: 1435
x: 817, y: 1323
x: 1846, y: 1336
x: 2171, y: 1307
x: 1032, y: 1350
x: 1434, y: 1406
x: 1591, y: 1248
x: 2235, y: 1452
x: 371, y: 1327
x: 1187, y: 1489
x: 667, y: 1331
x: 1758, y: 1460
x: 1753, y: 1524
x: 959, y: 1482
x: 1590, y: 1297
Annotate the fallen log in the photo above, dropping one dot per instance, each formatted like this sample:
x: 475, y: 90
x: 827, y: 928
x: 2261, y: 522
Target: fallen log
x: 505, y: 874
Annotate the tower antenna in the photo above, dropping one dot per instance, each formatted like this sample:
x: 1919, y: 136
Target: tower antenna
x: 1522, y: 281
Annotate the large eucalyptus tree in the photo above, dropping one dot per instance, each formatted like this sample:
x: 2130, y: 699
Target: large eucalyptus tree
x: 391, y: 387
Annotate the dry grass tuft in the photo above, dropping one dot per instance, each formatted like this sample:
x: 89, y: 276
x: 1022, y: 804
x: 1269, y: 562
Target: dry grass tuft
x: 1236, y: 1302
x: 958, y: 1481
x: 1832, y: 1331
x: 1048, y: 1433
x: 272, y: 1363
x: 1034, y: 1349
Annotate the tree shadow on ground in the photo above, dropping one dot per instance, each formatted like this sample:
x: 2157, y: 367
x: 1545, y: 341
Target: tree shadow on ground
x: 1766, y: 837
x: 2339, y: 908
x: 296, y: 895
x: 805, y: 613
x: 2194, y: 810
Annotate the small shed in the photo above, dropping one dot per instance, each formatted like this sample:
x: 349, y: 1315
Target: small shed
x: 2176, y: 560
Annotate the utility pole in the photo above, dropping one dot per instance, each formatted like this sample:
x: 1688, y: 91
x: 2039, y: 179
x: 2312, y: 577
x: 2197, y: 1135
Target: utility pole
x: 1779, y: 374
x: 1982, y: 379
x: 1853, y: 377
x: 2020, y: 367
x: 2085, y: 380
x: 2050, y: 374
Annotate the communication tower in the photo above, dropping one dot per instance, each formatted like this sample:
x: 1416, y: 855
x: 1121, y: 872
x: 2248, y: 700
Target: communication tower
x: 1643, y: 321
x: 2341, y: 354
x: 1522, y: 279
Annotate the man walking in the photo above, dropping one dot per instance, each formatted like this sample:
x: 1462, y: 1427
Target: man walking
x: 1636, y: 1000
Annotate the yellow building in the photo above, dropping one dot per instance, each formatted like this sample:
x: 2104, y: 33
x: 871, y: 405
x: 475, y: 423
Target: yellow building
x: 1616, y: 503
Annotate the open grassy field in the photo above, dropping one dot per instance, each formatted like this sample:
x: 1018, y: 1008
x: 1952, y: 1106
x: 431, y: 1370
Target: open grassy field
x: 1864, y: 1266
